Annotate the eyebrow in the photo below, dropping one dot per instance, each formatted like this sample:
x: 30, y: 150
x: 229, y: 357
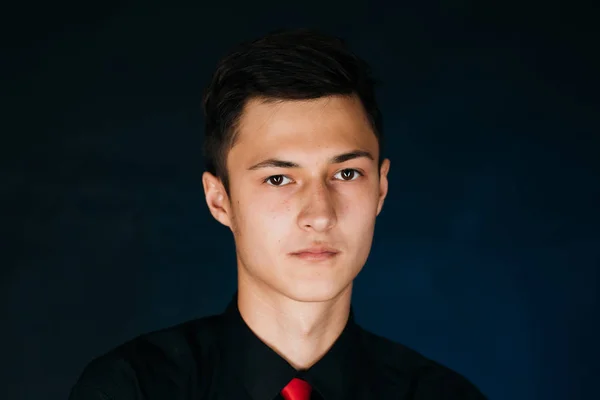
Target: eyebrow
x: 340, y: 158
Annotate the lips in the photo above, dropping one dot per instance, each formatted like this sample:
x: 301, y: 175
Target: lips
x: 316, y: 253
x: 315, y: 256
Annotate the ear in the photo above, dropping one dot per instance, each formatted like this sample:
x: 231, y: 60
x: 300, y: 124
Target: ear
x: 216, y: 198
x: 383, y: 183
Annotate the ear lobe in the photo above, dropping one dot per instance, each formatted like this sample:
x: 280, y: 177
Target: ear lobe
x: 216, y: 198
x: 383, y: 183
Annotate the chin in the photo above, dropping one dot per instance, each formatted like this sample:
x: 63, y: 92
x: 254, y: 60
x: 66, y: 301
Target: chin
x: 312, y: 292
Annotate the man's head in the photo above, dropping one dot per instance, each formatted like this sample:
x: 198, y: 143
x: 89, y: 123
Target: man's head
x: 293, y: 150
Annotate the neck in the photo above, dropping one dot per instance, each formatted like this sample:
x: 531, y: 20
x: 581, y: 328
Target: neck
x: 300, y: 332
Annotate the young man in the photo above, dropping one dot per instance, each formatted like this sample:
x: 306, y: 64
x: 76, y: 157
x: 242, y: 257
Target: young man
x: 295, y: 171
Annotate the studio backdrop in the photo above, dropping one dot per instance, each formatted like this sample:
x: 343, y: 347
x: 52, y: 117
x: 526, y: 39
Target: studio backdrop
x: 486, y: 252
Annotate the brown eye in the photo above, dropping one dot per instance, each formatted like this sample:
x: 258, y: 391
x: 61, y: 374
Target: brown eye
x: 276, y: 180
x: 349, y: 174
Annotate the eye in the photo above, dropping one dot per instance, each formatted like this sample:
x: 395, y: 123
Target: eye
x: 349, y: 174
x: 277, y: 180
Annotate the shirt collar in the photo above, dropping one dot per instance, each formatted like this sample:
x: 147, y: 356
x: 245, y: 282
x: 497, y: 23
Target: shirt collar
x: 333, y: 376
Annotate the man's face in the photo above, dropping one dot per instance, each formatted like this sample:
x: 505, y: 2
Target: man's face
x: 308, y: 200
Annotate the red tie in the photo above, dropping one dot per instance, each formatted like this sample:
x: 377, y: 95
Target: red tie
x: 297, y: 389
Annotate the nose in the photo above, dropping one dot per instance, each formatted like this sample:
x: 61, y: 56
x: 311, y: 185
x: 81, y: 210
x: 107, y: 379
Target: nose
x: 318, y: 214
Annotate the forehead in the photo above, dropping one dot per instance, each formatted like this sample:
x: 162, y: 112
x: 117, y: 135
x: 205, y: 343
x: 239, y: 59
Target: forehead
x: 333, y: 123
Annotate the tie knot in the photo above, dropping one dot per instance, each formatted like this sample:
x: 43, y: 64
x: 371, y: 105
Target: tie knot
x: 297, y: 389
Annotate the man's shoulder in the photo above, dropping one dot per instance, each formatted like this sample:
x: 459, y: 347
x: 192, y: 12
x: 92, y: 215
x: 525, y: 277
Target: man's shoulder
x: 427, y: 378
x: 168, y: 353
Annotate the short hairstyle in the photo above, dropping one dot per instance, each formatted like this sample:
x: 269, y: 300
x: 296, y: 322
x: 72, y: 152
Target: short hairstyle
x: 298, y: 64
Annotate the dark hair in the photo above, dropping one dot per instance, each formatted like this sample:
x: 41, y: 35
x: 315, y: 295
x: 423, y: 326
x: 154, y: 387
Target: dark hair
x: 284, y: 65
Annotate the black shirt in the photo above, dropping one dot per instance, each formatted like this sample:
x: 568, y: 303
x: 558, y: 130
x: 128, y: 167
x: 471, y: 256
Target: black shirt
x: 219, y: 357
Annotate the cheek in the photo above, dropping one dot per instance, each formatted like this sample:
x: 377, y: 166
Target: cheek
x: 358, y: 218
x: 359, y: 205
x: 362, y: 220
x: 265, y: 221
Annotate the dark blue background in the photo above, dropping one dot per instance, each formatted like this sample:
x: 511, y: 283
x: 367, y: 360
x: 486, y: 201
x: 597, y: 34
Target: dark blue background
x: 486, y: 254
